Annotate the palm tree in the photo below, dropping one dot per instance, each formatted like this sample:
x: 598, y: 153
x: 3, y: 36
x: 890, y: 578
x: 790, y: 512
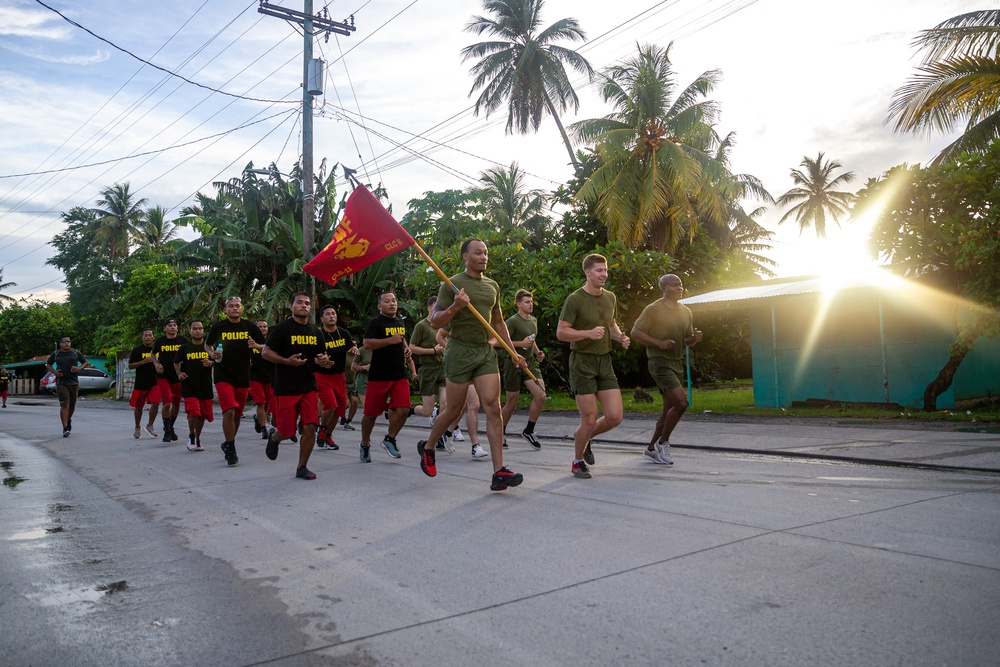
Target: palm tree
x: 154, y: 231
x: 119, y: 217
x: 509, y: 203
x: 524, y: 69
x: 3, y: 285
x: 656, y: 153
x: 957, y: 82
x: 815, y: 197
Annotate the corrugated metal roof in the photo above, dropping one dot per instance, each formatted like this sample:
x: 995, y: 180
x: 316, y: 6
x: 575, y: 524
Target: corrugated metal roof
x: 777, y: 288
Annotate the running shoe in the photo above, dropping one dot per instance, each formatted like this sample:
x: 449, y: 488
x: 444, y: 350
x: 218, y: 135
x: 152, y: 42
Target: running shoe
x: 366, y: 456
x: 478, y: 452
x: 458, y: 435
x: 294, y: 438
x: 271, y: 450
x: 256, y: 424
x: 303, y: 472
x: 66, y: 432
x: 663, y: 450
x: 588, y: 454
x: 389, y: 445
x: 330, y: 444
x: 137, y: 433
x: 505, y: 445
x: 166, y: 436
x: 151, y: 431
x: 348, y: 426
x: 532, y: 440
x: 263, y: 433
x: 652, y: 455
x: 440, y: 444
x: 503, y: 478
x: 581, y: 470
x: 197, y: 445
x: 427, y: 463
x: 229, y: 450
x: 192, y: 446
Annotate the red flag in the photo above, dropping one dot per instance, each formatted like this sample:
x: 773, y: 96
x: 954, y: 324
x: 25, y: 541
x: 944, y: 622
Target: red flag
x: 366, y: 234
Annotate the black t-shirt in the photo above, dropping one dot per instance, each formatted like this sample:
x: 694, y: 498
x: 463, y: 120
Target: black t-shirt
x: 4, y: 379
x: 337, y: 343
x: 198, y: 383
x: 287, y: 339
x: 235, y: 365
x: 261, y: 370
x: 388, y: 363
x: 145, y: 375
x: 166, y: 350
x: 64, y: 361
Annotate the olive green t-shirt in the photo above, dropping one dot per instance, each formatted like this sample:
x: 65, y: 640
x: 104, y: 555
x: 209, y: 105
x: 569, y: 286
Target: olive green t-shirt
x: 585, y: 311
x: 425, y: 335
x: 484, y: 295
x: 663, y: 322
x: 519, y: 329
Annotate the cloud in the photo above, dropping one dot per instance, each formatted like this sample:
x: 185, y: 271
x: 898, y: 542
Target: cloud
x: 95, y: 59
x: 27, y: 23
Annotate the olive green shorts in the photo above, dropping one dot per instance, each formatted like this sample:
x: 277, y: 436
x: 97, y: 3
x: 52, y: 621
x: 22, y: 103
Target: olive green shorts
x: 514, y: 378
x: 464, y: 361
x: 590, y: 373
x: 431, y: 379
x: 361, y: 383
x: 666, y: 374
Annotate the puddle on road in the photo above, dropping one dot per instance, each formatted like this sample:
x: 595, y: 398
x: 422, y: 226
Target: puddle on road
x: 12, y: 481
x: 36, y: 534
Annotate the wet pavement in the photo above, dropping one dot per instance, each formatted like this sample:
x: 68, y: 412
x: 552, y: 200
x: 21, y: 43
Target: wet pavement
x: 764, y: 544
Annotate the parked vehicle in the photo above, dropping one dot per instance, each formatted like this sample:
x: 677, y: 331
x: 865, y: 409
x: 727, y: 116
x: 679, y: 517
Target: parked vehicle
x: 91, y: 379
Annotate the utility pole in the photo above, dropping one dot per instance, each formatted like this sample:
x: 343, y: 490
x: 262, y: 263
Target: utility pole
x: 309, y: 23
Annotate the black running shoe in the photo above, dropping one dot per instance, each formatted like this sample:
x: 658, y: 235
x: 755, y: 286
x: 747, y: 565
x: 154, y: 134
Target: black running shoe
x: 532, y: 440
x: 303, y: 472
x: 427, y: 463
x: 256, y: 424
x: 66, y: 432
x: 588, y: 454
x: 294, y: 438
x: 233, y: 459
x: 272, y: 445
x: 166, y: 435
x: 503, y: 478
x: 173, y: 435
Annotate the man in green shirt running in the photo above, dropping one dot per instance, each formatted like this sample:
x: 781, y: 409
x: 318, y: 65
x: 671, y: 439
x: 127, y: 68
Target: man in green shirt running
x: 470, y: 359
x: 425, y: 347
x: 661, y: 326
x: 523, y: 327
x: 588, y: 322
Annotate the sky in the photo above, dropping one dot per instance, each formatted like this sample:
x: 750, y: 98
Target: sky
x: 799, y: 78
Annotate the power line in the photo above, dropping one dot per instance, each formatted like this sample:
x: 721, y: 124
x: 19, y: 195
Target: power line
x: 154, y: 66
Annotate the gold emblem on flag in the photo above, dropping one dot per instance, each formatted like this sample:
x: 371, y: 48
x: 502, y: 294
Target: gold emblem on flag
x: 346, y: 244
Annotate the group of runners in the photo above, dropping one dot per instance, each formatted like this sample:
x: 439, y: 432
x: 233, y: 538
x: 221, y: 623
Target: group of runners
x: 296, y: 372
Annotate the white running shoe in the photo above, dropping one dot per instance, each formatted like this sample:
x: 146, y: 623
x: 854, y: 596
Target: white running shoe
x: 137, y: 433
x: 192, y: 445
x: 663, y: 450
x: 152, y: 433
x: 434, y: 414
x: 652, y: 455
x: 458, y: 435
x: 478, y: 452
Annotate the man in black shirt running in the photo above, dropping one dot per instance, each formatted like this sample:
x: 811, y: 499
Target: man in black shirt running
x: 295, y: 347
x: 331, y: 383
x: 193, y: 366
x: 169, y: 385
x: 145, y: 389
x: 388, y: 386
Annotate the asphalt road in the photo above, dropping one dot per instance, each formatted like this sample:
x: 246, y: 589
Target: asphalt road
x: 723, y: 559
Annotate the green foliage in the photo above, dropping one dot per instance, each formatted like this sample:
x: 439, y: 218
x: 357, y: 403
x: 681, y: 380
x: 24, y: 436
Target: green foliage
x: 31, y: 330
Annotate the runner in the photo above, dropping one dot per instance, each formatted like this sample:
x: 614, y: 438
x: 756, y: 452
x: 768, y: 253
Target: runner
x: 193, y: 367
x: 425, y: 347
x: 295, y: 347
x: 261, y: 391
x: 4, y: 385
x: 660, y: 326
x: 145, y: 389
x: 331, y: 383
x: 523, y: 327
x: 388, y: 388
x: 230, y: 342
x: 588, y: 322
x: 470, y: 359
x: 360, y: 366
x: 65, y: 363
x: 165, y: 349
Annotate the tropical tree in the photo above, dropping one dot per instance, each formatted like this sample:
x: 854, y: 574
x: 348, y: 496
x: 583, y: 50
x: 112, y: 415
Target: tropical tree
x: 658, y: 179
x: 508, y: 203
x: 523, y: 67
x: 154, y: 232
x: 942, y: 223
x: 119, y: 216
x: 3, y: 285
x: 957, y: 83
x: 814, y: 195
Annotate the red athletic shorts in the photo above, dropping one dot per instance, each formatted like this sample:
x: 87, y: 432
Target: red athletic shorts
x: 199, y: 407
x: 383, y: 393
x: 332, y: 390
x: 170, y: 392
x: 231, y: 397
x: 291, y: 408
x: 142, y: 396
x: 261, y: 393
